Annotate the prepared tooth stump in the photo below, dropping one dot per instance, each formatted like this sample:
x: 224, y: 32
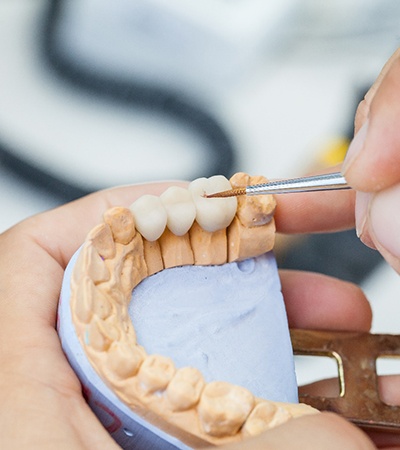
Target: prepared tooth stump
x: 171, y: 315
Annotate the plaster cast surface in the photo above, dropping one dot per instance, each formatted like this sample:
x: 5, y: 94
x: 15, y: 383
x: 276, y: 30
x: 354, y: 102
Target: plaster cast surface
x: 218, y: 328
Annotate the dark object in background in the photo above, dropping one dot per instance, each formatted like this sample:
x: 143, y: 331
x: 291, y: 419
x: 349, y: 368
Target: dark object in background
x: 218, y: 157
x: 341, y: 255
x: 221, y: 157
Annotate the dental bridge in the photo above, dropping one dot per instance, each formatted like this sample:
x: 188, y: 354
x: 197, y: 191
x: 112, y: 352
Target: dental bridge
x: 180, y: 227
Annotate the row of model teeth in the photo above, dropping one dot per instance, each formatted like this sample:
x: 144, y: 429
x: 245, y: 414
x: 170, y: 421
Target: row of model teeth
x: 224, y: 409
x: 177, y: 208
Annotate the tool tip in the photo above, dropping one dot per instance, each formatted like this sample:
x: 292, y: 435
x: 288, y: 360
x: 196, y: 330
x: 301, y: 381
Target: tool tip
x: 229, y: 193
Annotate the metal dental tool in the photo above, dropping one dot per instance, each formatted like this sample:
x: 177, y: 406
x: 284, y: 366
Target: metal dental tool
x: 327, y: 182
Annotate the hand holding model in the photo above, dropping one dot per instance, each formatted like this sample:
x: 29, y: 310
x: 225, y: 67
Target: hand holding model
x: 40, y: 396
x: 41, y: 400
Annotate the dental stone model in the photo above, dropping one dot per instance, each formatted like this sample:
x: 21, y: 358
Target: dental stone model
x: 201, y: 355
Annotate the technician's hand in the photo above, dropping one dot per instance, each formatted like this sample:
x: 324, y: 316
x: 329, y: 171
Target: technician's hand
x: 372, y: 165
x: 41, y: 403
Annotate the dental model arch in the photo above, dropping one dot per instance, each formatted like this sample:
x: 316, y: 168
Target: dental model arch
x: 179, y: 228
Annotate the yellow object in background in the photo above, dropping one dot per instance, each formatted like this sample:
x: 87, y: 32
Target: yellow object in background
x: 329, y: 154
x: 333, y: 152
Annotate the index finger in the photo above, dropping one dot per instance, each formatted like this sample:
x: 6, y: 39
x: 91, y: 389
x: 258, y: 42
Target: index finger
x: 373, y: 160
x: 364, y: 106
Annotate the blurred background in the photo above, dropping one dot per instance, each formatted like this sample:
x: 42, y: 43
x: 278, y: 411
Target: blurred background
x: 95, y: 94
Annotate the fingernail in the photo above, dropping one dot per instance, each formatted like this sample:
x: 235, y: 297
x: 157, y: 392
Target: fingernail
x: 361, y: 211
x: 384, y: 215
x: 355, y: 147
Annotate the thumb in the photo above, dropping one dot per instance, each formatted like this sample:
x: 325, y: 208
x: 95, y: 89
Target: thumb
x: 326, y: 430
